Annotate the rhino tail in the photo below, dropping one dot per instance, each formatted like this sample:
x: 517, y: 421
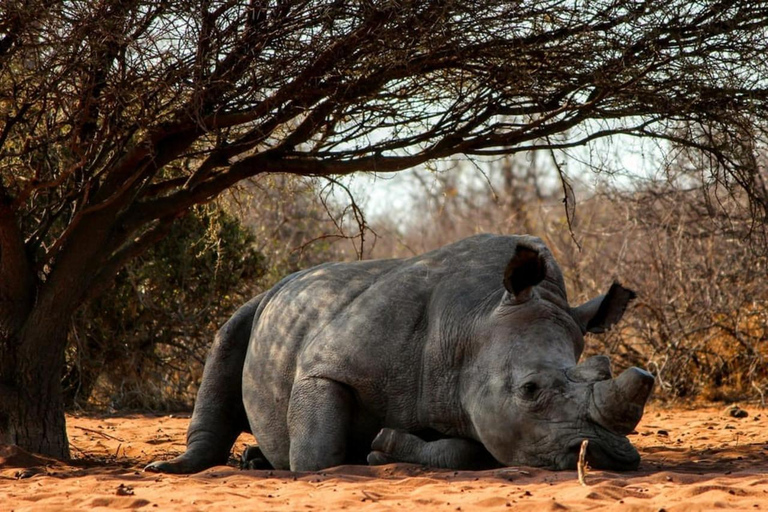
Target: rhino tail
x: 219, y: 414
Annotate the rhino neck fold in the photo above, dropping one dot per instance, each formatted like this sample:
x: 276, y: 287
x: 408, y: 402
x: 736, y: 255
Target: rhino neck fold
x: 442, y: 386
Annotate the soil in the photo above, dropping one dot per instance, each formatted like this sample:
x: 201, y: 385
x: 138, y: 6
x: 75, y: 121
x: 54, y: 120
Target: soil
x: 700, y: 458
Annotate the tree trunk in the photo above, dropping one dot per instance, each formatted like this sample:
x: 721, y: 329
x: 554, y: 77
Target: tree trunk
x: 32, y: 413
x: 31, y: 400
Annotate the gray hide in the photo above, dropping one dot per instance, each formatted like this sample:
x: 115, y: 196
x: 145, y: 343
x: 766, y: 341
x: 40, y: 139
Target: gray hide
x: 464, y: 357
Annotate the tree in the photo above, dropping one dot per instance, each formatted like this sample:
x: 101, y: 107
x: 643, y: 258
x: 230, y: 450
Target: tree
x: 119, y: 115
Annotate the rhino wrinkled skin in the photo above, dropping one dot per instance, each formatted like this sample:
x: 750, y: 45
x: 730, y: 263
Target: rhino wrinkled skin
x: 463, y: 357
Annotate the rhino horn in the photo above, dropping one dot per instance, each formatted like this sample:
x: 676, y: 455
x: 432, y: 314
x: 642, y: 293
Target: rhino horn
x: 617, y: 404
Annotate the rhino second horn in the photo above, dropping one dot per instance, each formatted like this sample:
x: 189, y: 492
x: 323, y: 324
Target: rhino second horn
x: 617, y: 404
x: 591, y: 369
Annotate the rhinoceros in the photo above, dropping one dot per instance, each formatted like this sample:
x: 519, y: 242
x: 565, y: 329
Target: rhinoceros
x: 463, y: 357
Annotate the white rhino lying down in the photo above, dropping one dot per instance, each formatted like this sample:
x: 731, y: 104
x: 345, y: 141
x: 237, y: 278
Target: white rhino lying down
x: 464, y: 357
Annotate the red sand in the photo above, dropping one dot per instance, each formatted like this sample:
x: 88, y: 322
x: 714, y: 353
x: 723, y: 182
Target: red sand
x: 698, y: 459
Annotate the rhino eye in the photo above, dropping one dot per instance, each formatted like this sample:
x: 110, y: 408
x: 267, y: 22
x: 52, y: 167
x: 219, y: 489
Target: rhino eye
x: 529, y: 390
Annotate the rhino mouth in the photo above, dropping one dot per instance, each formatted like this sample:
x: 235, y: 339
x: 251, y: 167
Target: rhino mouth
x: 602, y: 456
x: 604, y: 451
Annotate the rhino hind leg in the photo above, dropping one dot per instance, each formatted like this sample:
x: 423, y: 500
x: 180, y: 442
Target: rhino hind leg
x: 319, y: 416
x: 451, y: 452
x: 219, y: 414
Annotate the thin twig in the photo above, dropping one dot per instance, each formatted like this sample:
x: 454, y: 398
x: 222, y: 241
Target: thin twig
x: 569, y: 198
x: 93, y: 431
x: 581, y: 467
x: 761, y: 393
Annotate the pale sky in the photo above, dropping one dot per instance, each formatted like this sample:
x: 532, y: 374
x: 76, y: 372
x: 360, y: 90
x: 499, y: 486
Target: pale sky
x: 622, y: 159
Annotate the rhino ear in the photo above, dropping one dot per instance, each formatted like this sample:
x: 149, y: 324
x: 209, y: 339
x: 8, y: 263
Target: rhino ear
x: 603, y: 312
x: 525, y: 270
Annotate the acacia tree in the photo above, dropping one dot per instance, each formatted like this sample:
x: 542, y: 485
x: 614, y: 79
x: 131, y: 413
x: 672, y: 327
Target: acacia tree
x: 118, y: 116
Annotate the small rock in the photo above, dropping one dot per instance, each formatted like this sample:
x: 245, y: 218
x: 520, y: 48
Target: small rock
x: 124, y: 490
x: 734, y: 411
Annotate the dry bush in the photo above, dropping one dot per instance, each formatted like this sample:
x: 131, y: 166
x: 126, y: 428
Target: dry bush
x: 298, y: 222
x: 700, y: 322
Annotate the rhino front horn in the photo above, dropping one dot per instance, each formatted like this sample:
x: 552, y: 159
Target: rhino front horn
x: 617, y: 404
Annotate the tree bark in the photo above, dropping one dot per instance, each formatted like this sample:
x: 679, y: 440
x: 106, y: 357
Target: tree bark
x: 17, y: 282
x: 31, y: 400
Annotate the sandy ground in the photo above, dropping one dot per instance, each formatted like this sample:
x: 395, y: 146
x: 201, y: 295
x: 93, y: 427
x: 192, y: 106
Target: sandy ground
x: 693, y: 459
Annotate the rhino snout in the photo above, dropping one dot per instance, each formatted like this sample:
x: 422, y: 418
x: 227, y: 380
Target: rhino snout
x: 617, y: 404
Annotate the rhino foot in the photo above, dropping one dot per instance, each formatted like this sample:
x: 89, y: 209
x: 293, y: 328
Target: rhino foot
x: 376, y: 458
x: 448, y: 452
x: 179, y: 465
x: 191, y: 461
x: 253, y: 458
x: 395, y: 446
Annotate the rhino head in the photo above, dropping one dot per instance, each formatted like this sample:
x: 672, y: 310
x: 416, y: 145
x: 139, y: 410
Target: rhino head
x: 528, y: 400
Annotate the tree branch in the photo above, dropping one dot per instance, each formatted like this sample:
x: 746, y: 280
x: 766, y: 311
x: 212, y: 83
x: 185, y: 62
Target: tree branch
x: 103, y: 280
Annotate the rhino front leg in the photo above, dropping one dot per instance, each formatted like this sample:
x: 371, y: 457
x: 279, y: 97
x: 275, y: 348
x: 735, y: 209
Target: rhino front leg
x: 318, y: 423
x: 451, y: 453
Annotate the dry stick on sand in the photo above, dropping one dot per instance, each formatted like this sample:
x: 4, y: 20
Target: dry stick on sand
x: 100, y: 433
x: 581, y: 466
